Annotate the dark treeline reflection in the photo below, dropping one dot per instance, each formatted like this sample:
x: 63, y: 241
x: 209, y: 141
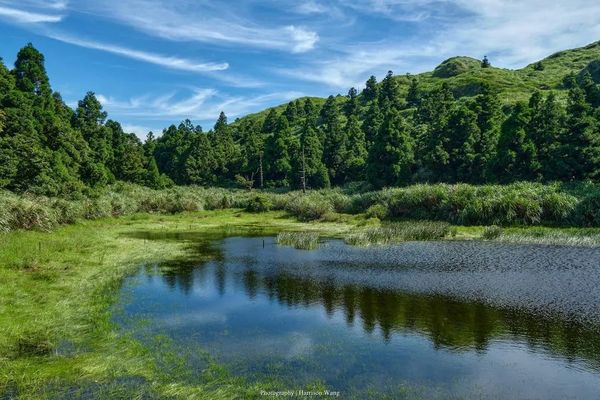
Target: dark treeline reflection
x: 447, y: 322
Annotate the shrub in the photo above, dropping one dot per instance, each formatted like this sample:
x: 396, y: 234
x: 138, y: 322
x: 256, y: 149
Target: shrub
x: 587, y: 212
x: 259, y: 203
x: 379, y: 211
x: 32, y: 214
x: 308, y: 207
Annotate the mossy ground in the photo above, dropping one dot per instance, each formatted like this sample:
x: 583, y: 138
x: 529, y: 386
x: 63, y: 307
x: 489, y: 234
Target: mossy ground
x: 57, y: 338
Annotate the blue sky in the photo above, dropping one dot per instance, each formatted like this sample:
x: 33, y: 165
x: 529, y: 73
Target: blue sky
x: 157, y: 62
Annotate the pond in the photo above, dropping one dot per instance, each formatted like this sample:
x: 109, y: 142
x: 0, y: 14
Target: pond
x: 420, y: 319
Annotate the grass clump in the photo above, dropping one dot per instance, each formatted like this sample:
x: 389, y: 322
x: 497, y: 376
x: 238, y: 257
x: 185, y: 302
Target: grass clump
x: 299, y: 240
x: 491, y: 232
x: 400, y: 232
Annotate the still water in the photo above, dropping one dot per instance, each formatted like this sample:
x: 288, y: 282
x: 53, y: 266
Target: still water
x: 427, y: 319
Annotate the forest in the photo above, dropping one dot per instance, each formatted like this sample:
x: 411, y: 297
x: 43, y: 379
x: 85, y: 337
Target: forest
x: 382, y: 135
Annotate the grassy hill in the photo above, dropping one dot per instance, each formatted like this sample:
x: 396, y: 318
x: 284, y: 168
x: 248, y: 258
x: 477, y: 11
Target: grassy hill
x: 465, y: 76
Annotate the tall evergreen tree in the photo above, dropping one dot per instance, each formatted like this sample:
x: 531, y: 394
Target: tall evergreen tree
x: 463, y: 133
x: 391, y: 157
x: 414, y: 93
x: 516, y: 157
x: 309, y: 164
x: 546, y: 126
x: 351, y: 107
x: 489, y: 121
x: 357, y: 150
x: 335, y: 141
x: 580, y: 147
x: 389, y: 95
x: 278, y: 160
x: 371, y: 91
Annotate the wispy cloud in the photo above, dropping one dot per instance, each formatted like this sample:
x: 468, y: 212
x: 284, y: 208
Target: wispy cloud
x: 214, y: 23
x: 200, y: 105
x: 513, y: 33
x: 153, y: 58
x: 27, y: 17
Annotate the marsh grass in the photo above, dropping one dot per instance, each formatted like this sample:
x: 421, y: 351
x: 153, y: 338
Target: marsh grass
x: 548, y: 236
x: 491, y: 232
x: 522, y: 203
x: 400, y: 232
x: 299, y: 240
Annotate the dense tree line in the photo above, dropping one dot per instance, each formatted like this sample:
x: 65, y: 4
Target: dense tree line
x: 379, y: 135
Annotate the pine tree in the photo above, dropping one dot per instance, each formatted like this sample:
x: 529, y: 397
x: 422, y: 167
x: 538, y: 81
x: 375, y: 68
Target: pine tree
x: 270, y: 124
x: 414, y: 93
x: 372, y: 123
x: 335, y: 141
x: 226, y: 151
x: 485, y: 63
x: 309, y: 163
x: 433, y: 114
x: 391, y: 158
x: 351, y: 107
x: 277, y: 158
x: 580, y: 147
x: 516, y: 157
x: 389, y: 93
x: 357, y: 150
x: 463, y: 133
x: 371, y: 91
x: 489, y: 121
x: 30, y: 73
x: 546, y: 126
x: 202, y: 166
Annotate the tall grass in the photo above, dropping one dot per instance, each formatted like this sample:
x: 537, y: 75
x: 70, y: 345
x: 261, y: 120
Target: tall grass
x: 503, y: 205
x: 299, y: 240
x: 400, y: 232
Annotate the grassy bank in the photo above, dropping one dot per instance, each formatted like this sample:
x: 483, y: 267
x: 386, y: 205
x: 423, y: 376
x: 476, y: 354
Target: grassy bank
x: 56, y: 336
x: 520, y: 204
x: 57, y: 288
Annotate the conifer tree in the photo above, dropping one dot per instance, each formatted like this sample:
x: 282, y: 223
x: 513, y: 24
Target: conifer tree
x: 463, y: 133
x: 335, y: 141
x: 516, y: 157
x: 278, y: 160
x: 351, y: 107
x: 309, y: 163
x: 357, y: 150
x: 391, y: 157
x: 371, y: 91
x: 489, y: 121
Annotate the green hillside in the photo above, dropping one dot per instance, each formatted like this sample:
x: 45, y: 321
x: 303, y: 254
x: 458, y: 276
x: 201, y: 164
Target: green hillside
x: 465, y: 76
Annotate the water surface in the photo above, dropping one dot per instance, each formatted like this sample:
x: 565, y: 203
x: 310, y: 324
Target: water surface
x: 432, y: 319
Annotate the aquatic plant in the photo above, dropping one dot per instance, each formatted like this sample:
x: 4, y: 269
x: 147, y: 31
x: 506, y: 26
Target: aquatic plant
x: 299, y: 240
x: 399, y: 232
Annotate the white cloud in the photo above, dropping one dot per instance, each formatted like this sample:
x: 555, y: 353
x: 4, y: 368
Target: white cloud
x: 201, y: 105
x: 310, y: 7
x: 158, y: 59
x: 140, y: 130
x: 512, y: 33
x: 204, y: 22
x: 27, y: 17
